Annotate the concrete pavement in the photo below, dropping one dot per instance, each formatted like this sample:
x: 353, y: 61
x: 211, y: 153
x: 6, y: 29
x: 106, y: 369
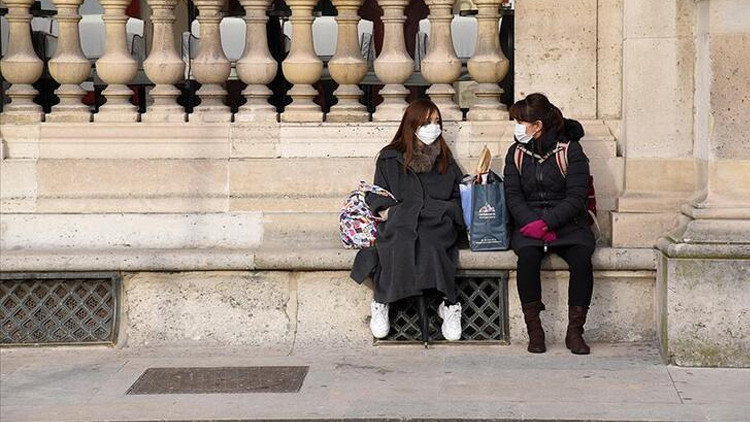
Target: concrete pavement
x: 617, y: 382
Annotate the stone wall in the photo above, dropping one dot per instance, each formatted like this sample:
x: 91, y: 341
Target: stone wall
x: 282, y: 309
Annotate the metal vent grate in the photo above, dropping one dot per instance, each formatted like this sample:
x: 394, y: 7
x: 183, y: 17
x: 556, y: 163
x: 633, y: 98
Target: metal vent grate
x: 222, y: 380
x: 58, y: 308
x: 484, y: 299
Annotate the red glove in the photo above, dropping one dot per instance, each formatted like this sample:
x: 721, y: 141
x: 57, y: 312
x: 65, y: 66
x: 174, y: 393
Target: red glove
x: 536, y: 229
x: 549, y: 237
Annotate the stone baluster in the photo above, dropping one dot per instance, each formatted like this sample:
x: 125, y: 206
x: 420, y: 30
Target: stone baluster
x: 440, y: 66
x: 69, y: 66
x: 302, y: 67
x: 164, y: 66
x: 257, y: 68
x: 211, y: 66
x: 488, y: 66
x: 21, y: 66
x: 116, y: 67
x: 347, y: 66
x: 393, y: 66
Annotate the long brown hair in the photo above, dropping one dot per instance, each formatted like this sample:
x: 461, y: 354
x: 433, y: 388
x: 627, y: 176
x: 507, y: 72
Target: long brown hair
x: 417, y: 114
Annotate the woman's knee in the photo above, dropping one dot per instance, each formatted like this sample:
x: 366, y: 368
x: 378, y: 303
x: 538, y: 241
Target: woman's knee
x: 579, y: 258
x: 530, y: 255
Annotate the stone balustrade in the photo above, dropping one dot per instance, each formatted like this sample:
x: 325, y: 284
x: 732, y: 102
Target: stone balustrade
x: 164, y: 68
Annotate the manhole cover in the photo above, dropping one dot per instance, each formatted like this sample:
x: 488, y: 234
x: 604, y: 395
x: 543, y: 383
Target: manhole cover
x: 223, y: 380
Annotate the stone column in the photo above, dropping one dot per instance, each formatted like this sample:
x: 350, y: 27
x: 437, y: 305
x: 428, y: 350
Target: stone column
x: 211, y: 66
x: 440, y: 66
x: 657, y: 119
x: 704, y: 267
x: 302, y: 67
x: 488, y: 66
x: 69, y: 66
x: 393, y: 66
x: 21, y: 66
x: 116, y: 67
x: 347, y: 66
x: 257, y: 68
x: 164, y: 66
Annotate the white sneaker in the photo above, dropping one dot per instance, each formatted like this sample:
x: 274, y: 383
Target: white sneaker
x: 451, y: 316
x: 379, y: 324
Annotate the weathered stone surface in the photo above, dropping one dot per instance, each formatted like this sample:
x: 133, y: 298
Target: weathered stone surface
x: 622, y: 309
x: 132, y: 179
x: 221, y: 308
x: 556, y: 53
x: 706, y: 322
x: 332, y: 309
x: 20, y: 141
x: 666, y: 18
x: 730, y: 69
x: 17, y: 179
x: 640, y: 229
x: 658, y: 111
x: 133, y: 141
x: 609, y: 59
x: 55, y: 232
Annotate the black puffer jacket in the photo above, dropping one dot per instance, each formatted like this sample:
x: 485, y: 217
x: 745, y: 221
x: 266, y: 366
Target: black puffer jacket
x: 540, y: 191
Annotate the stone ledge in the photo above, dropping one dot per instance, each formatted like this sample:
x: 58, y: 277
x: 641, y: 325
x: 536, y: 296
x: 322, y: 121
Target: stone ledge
x: 309, y: 258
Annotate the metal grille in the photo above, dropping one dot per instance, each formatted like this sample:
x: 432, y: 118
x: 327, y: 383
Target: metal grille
x: 222, y: 380
x: 484, y: 301
x: 58, y: 308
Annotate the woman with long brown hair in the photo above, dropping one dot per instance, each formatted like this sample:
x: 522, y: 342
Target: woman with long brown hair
x: 416, y: 245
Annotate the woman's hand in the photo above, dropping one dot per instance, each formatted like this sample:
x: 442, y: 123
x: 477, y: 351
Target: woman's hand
x: 384, y: 214
x: 537, y: 229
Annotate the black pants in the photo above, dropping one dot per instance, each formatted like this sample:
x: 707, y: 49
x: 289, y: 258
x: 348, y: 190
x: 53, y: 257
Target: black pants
x: 578, y: 257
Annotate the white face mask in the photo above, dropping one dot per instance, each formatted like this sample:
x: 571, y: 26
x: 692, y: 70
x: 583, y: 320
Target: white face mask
x: 520, y: 133
x: 429, y: 133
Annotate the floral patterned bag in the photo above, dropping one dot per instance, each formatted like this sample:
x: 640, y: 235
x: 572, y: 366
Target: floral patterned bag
x: 359, y: 225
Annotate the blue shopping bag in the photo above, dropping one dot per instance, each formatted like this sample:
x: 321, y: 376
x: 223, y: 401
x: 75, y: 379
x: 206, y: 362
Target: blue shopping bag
x: 488, y: 224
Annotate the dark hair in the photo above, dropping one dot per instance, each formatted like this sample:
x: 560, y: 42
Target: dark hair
x: 416, y: 115
x: 537, y: 107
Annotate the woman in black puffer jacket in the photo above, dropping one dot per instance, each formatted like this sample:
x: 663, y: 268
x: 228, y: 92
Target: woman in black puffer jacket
x: 549, y: 214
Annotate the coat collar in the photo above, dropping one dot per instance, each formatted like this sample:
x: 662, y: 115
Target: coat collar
x: 390, y: 153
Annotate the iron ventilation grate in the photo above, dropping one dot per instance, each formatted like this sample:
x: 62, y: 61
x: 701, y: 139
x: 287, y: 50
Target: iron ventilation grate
x: 220, y: 380
x: 484, y: 301
x: 58, y: 308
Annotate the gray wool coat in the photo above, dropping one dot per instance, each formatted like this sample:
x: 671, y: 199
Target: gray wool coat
x: 416, y: 247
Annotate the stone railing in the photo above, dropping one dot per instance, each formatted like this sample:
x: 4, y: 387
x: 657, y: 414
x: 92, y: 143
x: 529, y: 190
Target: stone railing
x: 164, y: 66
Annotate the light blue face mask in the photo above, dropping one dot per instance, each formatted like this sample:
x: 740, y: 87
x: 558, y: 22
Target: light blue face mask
x: 520, y: 134
x: 429, y: 133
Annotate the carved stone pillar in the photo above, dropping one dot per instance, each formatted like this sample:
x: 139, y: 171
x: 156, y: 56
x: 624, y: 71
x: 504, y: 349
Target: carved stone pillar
x: 116, y: 67
x: 393, y: 66
x: 164, y: 66
x: 302, y: 67
x: 69, y: 66
x: 21, y: 66
x: 211, y: 66
x: 441, y: 66
x: 347, y: 66
x: 257, y: 68
x: 488, y: 66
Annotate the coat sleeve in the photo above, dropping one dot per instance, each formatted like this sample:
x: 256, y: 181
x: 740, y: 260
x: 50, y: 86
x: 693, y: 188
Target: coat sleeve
x: 456, y: 196
x: 377, y: 202
x: 576, y: 189
x: 519, y: 209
